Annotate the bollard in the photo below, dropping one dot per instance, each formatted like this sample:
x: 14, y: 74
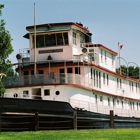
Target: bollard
x: 75, y: 120
x: 111, y: 119
x: 36, y: 121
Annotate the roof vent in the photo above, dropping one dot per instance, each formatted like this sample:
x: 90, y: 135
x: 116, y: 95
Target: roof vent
x: 48, y: 26
x: 79, y: 24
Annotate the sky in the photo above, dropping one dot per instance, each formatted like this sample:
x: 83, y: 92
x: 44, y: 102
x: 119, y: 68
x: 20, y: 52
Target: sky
x: 110, y: 22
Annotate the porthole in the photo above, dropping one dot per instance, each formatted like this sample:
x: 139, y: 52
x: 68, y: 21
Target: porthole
x: 57, y: 92
x: 15, y: 95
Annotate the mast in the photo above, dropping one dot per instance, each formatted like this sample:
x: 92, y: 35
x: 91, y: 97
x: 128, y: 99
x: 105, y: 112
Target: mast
x: 34, y: 39
x: 119, y: 58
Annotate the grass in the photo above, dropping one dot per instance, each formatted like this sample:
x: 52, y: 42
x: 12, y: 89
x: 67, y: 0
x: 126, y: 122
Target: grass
x: 96, y: 134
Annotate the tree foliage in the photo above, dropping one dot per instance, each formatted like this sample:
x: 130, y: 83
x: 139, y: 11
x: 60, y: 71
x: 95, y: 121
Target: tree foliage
x: 5, y: 50
x: 131, y: 71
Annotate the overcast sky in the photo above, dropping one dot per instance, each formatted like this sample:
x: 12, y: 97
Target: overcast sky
x: 110, y: 21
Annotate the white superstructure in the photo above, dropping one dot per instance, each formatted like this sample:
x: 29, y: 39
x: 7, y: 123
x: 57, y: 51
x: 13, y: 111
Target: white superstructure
x: 70, y: 68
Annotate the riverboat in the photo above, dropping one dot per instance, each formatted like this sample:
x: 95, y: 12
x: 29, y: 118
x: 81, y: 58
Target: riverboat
x: 63, y: 66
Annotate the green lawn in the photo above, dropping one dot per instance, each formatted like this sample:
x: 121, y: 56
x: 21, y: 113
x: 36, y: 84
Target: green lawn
x: 96, y: 134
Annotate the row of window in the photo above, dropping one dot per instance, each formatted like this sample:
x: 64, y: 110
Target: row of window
x: 46, y: 93
x: 96, y: 76
x: 51, y: 40
x: 105, y: 57
x: 118, y: 102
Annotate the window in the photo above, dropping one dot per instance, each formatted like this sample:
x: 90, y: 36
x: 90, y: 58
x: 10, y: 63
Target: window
x: 113, y: 102
x: 51, y: 40
x: 117, y: 83
x: 69, y: 70
x: 132, y: 86
x: 26, y: 77
x: 103, y: 78
x: 57, y: 92
x: 77, y: 70
x: 60, y: 40
x: 101, y: 98
x: 112, y: 60
x: 107, y: 79
x: 41, y: 72
x: 46, y: 92
x: 15, y: 95
x: 118, y: 102
x: 96, y: 98
x: 94, y: 77
x: 82, y: 39
x: 65, y: 38
x: 120, y: 83
x: 133, y: 105
x: 99, y: 79
x: 108, y: 101
x: 74, y: 38
x: 40, y: 41
x: 105, y: 58
x: 101, y: 55
x: 91, y: 72
x: 26, y: 93
x: 122, y: 104
x: 136, y: 87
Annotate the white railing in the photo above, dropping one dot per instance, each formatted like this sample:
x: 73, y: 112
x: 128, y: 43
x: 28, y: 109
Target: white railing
x: 98, y: 108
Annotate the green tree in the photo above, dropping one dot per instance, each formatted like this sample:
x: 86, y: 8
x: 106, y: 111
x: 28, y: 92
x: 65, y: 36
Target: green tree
x: 131, y: 71
x: 5, y: 50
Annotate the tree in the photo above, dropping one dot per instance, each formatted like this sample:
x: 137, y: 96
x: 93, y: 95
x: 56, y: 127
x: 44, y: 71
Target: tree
x: 131, y: 71
x: 5, y: 50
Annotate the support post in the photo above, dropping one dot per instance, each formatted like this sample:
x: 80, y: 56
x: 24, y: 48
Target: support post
x: 36, y: 121
x: 75, y: 120
x: 111, y: 119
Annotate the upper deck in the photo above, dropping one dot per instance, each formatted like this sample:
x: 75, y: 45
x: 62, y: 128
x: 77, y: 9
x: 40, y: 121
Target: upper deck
x: 65, y: 41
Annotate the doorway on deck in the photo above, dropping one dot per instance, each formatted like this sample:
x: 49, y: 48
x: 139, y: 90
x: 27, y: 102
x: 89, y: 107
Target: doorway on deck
x: 36, y: 93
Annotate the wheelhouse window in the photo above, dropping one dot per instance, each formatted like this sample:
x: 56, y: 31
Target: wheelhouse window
x: 54, y: 39
x: 74, y: 38
x: 40, y: 41
x: 50, y: 40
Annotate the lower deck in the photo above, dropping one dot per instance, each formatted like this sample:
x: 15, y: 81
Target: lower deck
x: 79, y: 98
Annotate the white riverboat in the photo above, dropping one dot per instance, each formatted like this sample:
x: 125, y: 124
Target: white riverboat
x: 62, y: 64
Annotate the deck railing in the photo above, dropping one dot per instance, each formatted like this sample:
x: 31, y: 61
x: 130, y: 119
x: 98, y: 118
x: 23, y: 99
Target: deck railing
x: 43, y: 79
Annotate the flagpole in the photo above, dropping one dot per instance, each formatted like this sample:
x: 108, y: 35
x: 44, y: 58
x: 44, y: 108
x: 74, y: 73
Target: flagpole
x: 119, y: 58
x: 34, y: 39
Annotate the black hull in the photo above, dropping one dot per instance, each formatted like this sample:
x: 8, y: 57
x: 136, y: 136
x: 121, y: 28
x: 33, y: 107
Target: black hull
x: 21, y: 114
x: 32, y: 106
